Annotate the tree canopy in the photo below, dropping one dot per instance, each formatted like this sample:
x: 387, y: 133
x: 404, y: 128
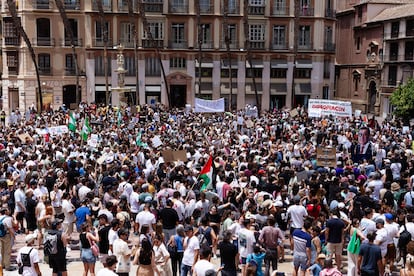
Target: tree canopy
x: 403, y: 100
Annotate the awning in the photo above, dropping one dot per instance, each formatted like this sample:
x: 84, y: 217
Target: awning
x: 225, y: 63
x: 279, y: 63
x: 373, y: 43
x: 278, y: 88
x: 304, y: 63
x: 255, y: 64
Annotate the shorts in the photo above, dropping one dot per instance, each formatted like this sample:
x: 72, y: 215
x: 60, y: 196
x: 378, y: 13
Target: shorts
x: 391, y: 251
x: 57, y: 264
x: 87, y: 256
x: 67, y: 228
x: 20, y: 215
x: 300, y: 261
x: 134, y: 216
x: 334, y: 248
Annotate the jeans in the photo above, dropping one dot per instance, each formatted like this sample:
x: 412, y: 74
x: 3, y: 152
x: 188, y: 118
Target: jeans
x: 176, y: 262
x: 168, y: 233
x: 185, y: 269
x: 270, y: 258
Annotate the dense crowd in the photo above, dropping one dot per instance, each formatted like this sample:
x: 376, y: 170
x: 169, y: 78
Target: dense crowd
x: 108, y: 173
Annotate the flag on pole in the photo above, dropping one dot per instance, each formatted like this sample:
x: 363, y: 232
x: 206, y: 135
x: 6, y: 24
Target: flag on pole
x: 86, y: 130
x: 207, y: 174
x: 72, y: 122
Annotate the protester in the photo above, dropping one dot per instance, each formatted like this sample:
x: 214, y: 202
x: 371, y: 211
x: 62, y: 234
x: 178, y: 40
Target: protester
x: 28, y: 257
x: 87, y: 239
x: 6, y: 238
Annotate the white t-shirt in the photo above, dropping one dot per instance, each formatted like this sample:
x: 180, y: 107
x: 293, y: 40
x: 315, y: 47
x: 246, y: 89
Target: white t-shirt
x: 189, y: 252
x: 145, y: 217
x: 19, y: 196
x: 106, y: 272
x: 68, y: 210
x: 107, y: 213
x: 40, y: 191
x: 122, y: 253
x: 382, y: 239
x: 82, y: 192
x: 34, y: 258
x: 134, y: 201
x: 202, y: 266
x: 297, y: 213
x: 246, y: 242
x: 112, y: 236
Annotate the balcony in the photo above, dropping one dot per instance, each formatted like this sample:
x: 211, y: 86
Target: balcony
x: 70, y: 71
x: 153, y: 7
x: 234, y: 44
x: 256, y: 10
x: 107, y: 7
x: 99, y: 42
x: 45, y: 71
x: 177, y: 8
x: 231, y: 10
x: 181, y: 44
x: 72, y: 5
x: 329, y: 47
x: 67, y: 43
x: 127, y: 43
x: 43, y: 41
x: 12, y: 41
x: 280, y: 10
x: 13, y: 70
x: 147, y: 43
x: 257, y: 45
x: 330, y: 13
x: 206, y: 9
x: 409, y: 33
x: 207, y: 44
x: 279, y: 46
x: 306, y: 11
x: 305, y: 47
x: 393, y: 57
x: 41, y: 4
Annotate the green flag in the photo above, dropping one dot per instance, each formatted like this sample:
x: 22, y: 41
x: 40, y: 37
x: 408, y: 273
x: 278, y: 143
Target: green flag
x: 119, y: 117
x: 72, y: 122
x: 86, y: 130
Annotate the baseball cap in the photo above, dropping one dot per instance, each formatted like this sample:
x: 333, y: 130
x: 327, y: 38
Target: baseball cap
x: 380, y: 220
x: 388, y: 216
x: 31, y: 237
x: 188, y: 228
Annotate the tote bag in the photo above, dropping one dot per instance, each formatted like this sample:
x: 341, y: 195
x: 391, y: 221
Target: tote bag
x: 354, y: 244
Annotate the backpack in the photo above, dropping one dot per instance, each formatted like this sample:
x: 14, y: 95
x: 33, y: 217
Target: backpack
x: 3, y: 229
x: 50, y: 244
x: 404, y: 239
x: 25, y: 258
x: 202, y: 238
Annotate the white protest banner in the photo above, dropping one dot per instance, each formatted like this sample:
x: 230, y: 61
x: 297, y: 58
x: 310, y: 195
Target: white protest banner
x: 156, y: 141
x: 93, y: 141
x: 209, y: 106
x: 319, y: 108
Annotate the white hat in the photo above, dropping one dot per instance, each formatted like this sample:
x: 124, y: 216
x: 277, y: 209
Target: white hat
x: 31, y: 237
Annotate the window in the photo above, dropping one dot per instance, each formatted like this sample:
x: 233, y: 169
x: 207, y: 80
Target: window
x: 280, y: 7
x: 305, y: 7
x: 256, y: 36
x: 44, y: 63
x: 410, y: 28
x: 254, y: 72
x: 359, y: 14
x: 395, y: 29
x: 130, y: 65
x: 232, y: 33
x: 43, y: 31
x: 232, y: 8
x: 156, y: 29
x: 278, y: 73
x: 409, y: 50
x: 13, y: 62
x: 225, y: 73
x: 279, y: 37
x: 358, y: 43
x: 70, y: 65
x: 394, y: 51
x: 10, y: 33
x: 178, y: 63
x: 127, y: 36
x: 101, y: 32
x: 392, y: 75
x: 178, y: 35
x: 304, y: 37
x: 73, y: 23
x: 325, y: 93
x: 152, y: 67
x: 326, y: 68
x: 205, y: 6
x: 206, y: 36
x: 302, y: 73
x: 100, y: 66
x: 205, y: 72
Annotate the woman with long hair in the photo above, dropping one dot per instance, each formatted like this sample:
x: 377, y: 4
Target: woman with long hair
x: 353, y: 257
x: 87, y: 238
x: 162, y: 256
x: 144, y: 258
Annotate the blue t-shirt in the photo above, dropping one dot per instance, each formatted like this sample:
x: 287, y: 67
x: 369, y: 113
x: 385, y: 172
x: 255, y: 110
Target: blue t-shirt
x: 301, y: 241
x: 80, y: 214
x: 258, y: 258
x: 370, y: 253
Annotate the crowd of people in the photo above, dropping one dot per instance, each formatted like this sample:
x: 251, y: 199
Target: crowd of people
x: 268, y: 192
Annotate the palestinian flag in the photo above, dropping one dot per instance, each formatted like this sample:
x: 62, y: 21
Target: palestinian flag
x: 72, y: 122
x: 207, y: 174
x: 86, y: 130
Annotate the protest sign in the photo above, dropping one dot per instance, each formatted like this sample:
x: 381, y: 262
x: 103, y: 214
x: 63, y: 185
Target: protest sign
x: 326, y: 157
x: 319, y: 108
x: 209, y: 106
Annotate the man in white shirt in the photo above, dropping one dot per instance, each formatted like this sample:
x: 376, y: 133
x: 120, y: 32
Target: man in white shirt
x: 145, y: 217
x: 68, y: 211
x: 204, y: 264
x: 20, y: 209
x: 203, y: 204
x: 134, y: 202
x: 123, y: 253
x: 83, y: 191
x: 382, y: 236
x: 246, y: 242
x: 392, y: 233
x: 367, y: 225
x: 191, y: 248
x: 28, y: 257
x: 113, y: 234
x: 297, y: 214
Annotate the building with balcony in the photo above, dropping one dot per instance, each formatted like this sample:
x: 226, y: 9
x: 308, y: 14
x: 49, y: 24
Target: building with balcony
x: 374, y: 52
x: 188, y: 39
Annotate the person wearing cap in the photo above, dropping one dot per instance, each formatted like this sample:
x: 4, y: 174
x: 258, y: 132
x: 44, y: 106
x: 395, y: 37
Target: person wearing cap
x: 58, y: 261
x: 317, y: 267
x: 191, y: 251
x: 381, y: 238
x: 392, y: 233
x: 369, y: 258
x: 270, y: 237
x: 28, y: 257
x: 123, y: 253
x: 6, y: 240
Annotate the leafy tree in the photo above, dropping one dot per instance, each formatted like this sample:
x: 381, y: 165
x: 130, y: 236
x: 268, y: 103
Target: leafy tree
x: 403, y: 100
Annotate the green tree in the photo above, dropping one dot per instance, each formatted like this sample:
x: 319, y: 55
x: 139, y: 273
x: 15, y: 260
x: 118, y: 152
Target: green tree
x: 403, y: 100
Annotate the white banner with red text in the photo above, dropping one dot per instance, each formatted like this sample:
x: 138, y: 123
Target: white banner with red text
x: 319, y: 108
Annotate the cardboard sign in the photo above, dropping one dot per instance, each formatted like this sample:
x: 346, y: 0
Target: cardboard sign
x: 326, y: 157
x: 25, y: 137
x: 294, y: 112
x: 174, y: 155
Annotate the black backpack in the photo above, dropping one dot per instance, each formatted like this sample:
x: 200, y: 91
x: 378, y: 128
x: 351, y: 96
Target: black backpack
x: 25, y: 258
x: 404, y: 239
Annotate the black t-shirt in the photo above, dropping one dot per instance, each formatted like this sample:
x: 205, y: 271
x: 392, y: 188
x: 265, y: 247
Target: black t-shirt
x: 228, y: 252
x: 103, y: 239
x: 169, y: 218
x: 282, y: 219
x: 336, y: 227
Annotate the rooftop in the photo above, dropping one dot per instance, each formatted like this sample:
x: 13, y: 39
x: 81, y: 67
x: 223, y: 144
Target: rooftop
x: 394, y: 13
